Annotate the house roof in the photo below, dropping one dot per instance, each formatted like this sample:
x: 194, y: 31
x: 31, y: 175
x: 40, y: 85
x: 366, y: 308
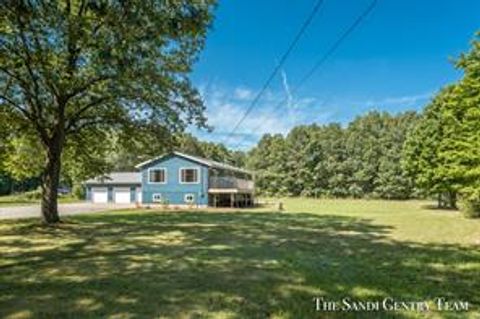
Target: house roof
x: 199, y: 160
x: 125, y: 178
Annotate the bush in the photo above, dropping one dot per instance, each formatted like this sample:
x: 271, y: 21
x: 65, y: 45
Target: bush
x: 35, y: 194
x: 78, y: 191
x: 471, y: 208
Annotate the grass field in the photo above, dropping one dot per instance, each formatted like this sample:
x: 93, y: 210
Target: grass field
x: 248, y: 264
x: 21, y: 199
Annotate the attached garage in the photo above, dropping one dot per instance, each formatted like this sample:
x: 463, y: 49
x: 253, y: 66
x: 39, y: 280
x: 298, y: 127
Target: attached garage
x: 118, y: 188
x: 121, y: 195
x: 100, y: 194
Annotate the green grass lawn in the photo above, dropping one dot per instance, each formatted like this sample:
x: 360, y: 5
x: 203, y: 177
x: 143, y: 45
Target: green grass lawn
x: 248, y: 264
x: 21, y: 199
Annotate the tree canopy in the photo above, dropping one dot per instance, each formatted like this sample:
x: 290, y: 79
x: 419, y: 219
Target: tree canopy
x: 360, y: 160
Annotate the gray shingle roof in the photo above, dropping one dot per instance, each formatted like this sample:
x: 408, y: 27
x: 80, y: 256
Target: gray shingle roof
x: 200, y: 160
x: 124, y: 178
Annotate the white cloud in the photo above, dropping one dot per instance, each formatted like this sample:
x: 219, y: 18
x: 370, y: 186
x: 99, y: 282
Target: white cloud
x: 406, y: 100
x: 243, y: 93
x: 273, y: 114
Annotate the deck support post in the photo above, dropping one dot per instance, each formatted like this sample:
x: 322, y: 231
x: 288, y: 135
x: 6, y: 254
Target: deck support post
x: 232, y: 200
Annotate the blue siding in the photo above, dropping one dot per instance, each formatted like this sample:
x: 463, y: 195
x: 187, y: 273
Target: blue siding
x: 172, y: 190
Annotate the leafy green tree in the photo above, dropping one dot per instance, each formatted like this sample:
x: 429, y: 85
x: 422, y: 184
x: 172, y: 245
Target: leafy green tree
x: 443, y: 149
x: 461, y: 123
x: 364, y: 151
x: 71, y: 68
x: 421, y: 153
x: 267, y: 159
x: 392, y: 180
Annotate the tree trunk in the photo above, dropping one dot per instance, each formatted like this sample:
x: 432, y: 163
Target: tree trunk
x: 50, y: 180
x: 452, y: 199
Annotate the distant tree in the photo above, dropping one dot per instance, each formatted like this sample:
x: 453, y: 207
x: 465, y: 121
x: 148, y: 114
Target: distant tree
x: 360, y: 160
x: 392, y: 180
x: 268, y: 160
x: 364, y: 151
x: 72, y: 70
x: 334, y: 172
x: 239, y: 158
x: 189, y: 144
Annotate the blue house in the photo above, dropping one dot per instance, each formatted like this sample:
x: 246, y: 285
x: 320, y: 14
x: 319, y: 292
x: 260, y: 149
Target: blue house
x: 176, y: 179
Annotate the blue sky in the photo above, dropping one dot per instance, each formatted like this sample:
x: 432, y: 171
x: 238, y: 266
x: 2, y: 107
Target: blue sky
x: 395, y: 61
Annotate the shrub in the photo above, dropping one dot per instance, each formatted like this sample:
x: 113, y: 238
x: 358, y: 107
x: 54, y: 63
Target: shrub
x: 35, y: 194
x: 165, y: 203
x: 78, y: 191
x: 471, y: 208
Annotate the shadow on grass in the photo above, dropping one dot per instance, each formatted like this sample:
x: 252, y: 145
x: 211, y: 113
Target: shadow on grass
x: 207, y: 264
x: 440, y: 209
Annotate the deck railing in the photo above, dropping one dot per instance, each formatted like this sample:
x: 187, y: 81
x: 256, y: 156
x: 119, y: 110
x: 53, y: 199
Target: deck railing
x: 230, y: 182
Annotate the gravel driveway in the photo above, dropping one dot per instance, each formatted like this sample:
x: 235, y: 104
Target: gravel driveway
x: 8, y: 212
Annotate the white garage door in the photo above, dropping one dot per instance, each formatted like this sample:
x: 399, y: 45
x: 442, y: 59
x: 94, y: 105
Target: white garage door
x: 99, y: 195
x: 121, y: 195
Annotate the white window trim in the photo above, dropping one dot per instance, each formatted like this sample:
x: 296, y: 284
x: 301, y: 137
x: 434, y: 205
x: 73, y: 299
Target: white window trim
x: 189, y: 202
x: 159, y: 200
x: 157, y: 168
x: 184, y: 168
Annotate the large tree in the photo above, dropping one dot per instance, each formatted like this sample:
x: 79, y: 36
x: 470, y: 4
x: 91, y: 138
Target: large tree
x: 71, y: 70
x: 443, y: 150
x: 421, y: 152
x: 463, y: 143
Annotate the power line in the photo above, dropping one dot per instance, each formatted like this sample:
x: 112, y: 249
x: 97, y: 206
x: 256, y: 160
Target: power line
x: 292, y: 45
x: 337, y: 43
x: 325, y: 57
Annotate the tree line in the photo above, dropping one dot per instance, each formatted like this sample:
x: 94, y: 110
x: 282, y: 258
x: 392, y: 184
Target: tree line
x: 362, y: 159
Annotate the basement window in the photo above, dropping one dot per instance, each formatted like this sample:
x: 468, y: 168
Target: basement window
x: 189, y: 198
x: 157, y: 198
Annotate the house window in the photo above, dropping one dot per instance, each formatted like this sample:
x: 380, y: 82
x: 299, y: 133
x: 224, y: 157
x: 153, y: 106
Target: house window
x: 189, y: 198
x: 189, y: 175
x: 156, y: 198
x: 157, y: 175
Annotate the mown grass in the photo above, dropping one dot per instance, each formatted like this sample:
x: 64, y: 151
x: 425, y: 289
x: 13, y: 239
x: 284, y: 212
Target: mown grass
x: 22, y: 199
x: 246, y: 264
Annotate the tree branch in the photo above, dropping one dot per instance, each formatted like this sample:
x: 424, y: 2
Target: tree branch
x: 84, y: 87
x: 16, y: 106
x: 77, y: 116
x: 94, y: 121
x: 40, y: 129
x: 28, y: 60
